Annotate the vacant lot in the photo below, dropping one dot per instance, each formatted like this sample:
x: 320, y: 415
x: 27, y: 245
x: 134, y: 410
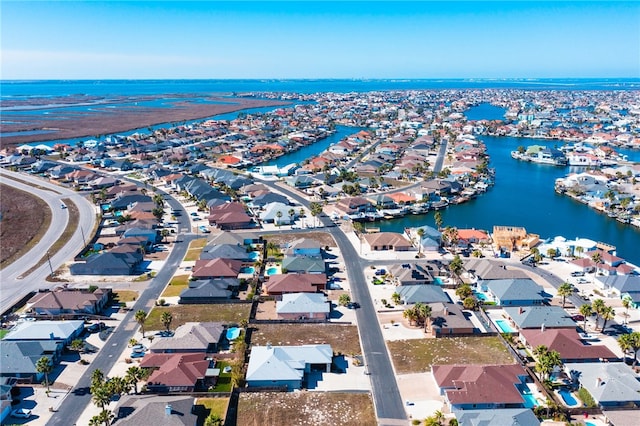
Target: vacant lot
x: 416, y: 356
x: 342, y: 338
x: 195, y: 248
x: 324, y: 238
x: 176, y: 285
x: 25, y: 218
x: 226, y: 313
x: 305, y: 408
x: 123, y: 296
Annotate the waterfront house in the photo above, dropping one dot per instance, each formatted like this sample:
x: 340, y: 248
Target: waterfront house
x: 430, y: 240
x: 286, y: 366
x: 568, y: 343
x: 611, y: 384
x: 209, y: 291
x: 513, y: 238
x: 136, y: 410
x: 481, y: 386
x: 381, y: 241
x: 294, y: 306
x: 280, y: 284
x: 185, y: 372
x: 353, y: 205
x: 191, y: 337
x: 473, y: 236
x: 620, y: 285
x: 67, y: 301
x: 514, y: 292
x: 542, y: 317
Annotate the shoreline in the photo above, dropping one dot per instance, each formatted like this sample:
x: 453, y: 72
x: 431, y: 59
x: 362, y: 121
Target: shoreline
x: 105, y: 122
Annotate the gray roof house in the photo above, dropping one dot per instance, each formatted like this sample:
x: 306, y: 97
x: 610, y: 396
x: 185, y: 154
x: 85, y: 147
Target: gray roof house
x: 514, y: 292
x: 609, y: 383
x: 504, y: 416
x: 286, y: 365
x: 302, y: 306
x: 108, y: 263
x: 19, y: 357
x: 136, y: 410
x: 226, y: 251
x: 209, y: 291
x: 191, y: 337
x: 272, y: 210
x: 410, y: 294
x: 414, y: 273
x: 59, y: 331
x: 308, y: 265
x: 486, y: 269
x: 540, y: 316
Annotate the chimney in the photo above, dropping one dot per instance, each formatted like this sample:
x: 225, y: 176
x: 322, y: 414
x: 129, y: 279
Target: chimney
x: 268, y: 345
x: 598, y: 381
x: 542, y: 328
x: 168, y: 409
x: 520, y: 310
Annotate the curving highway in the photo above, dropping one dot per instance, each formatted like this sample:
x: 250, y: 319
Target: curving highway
x: 14, y: 284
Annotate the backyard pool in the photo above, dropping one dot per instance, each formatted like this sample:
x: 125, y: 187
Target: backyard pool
x: 567, y: 397
x: 481, y: 296
x: 530, y: 401
x: 233, y: 333
x: 247, y: 270
x: 272, y: 271
x: 438, y: 281
x: 254, y: 255
x: 504, y: 326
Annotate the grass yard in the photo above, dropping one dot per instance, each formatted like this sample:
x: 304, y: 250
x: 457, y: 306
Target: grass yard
x: 417, y: 356
x: 224, y: 380
x: 217, y: 406
x: 3, y: 332
x: 306, y: 408
x: 226, y: 313
x: 195, y: 248
x: 123, y: 296
x: 342, y: 338
x: 176, y: 285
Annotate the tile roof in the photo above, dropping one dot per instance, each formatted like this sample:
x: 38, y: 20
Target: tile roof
x: 566, y: 342
x: 175, y: 369
x: 195, y: 336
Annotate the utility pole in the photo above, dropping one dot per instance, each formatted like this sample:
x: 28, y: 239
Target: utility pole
x: 50, y: 267
x: 83, y: 239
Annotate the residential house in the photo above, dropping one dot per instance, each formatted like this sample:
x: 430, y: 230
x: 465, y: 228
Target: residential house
x: 294, y: 306
x: 230, y: 216
x: 191, y: 337
x: 260, y: 201
x: 304, y: 247
x: 183, y: 372
x: 381, y: 241
x: 286, y: 366
x: 504, y: 416
x: 113, y: 262
x: 280, y: 284
x: 513, y: 238
x: 481, y: 386
x: 278, y: 214
x: 623, y: 286
x: 611, y: 384
x: 419, y: 293
x: 136, y: 410
x: 447, y: 319
x: 301, y: 181
x: 473, y: 236
x: 354, y: 205
x: 67, y: 301
x: 19, y: 357
x: 226, y: 251
x: 485, y: 269
x: 540, y: 317
x: 216, y: 268
x: 304, y: 265
x: 408, y: 274
x: 58, y: 331
x: 514, y: 292
x: 568, y: 343
x: 209, y: 291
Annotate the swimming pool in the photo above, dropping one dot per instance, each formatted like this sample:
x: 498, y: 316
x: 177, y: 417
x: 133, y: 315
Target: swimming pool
x: 233, y: 333
x: 254, y: 255
x: 568, y: 398
x: 481, y: 296
x: 530, y: 401
x: 272, y: 271
x: 504, y: 326
x: 247, y: 270
x: 438, y: 281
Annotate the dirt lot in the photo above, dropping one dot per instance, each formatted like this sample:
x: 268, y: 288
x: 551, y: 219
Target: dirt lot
x: 226, y: 313
x: 342, y: 338
x: 24, y: 217
x: 305, y: 408
x: 418, y: 355
x: 323, y: 238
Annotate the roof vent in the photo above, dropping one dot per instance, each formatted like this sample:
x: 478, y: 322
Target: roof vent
x: 168, y: 409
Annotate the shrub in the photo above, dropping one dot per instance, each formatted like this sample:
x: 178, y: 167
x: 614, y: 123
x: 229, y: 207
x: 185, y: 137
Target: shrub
x: 586, y: 397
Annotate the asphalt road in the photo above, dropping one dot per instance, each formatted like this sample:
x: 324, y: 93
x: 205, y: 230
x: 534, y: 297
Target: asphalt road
x: 13, y: 283
x: 386, y: 395
x: 76, y: 402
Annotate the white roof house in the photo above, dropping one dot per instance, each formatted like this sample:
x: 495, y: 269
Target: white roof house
x: 270, y: 214
x: 46, y: 330
x: 308, y: 305
x: 286, y: 365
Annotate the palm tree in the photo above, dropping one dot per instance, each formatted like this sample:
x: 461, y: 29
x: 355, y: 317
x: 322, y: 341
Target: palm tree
x: 292, y: 214
x: 44, y: 366
x: 133, y: 376
x: 598, y: 307
x: 104, y: 418
x: 470, y: 303
x: 607, y: 314
x: 626, y: 303
x: 278, y: 215
x: 632, y: 342
x: 437, y: 217
x: 420, y: 233
x: 141, y: 317
x: 396, y: 299
x: 596, y: 257
x: 464, y: 291
x: 565, y: 290
x: 166, y: 319
x: 455, y: 266
x: 586, y: 311
x: 410, y: 315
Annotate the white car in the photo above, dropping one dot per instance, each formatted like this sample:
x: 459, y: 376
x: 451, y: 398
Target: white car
x: 22, y: 413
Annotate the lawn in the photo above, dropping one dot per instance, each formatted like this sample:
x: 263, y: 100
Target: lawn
x: 416, y: 356
x: 195, y: 248
x: 123, y: 296
x: 342, y: 338
x: 224, y: 380
x: 176, y: 285
x: 306, y: 408
x: 217, y: 406
x: 225, y: 313
x: 3, y: 332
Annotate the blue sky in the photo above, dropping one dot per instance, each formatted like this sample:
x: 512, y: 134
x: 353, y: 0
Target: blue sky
x: 147, y: 39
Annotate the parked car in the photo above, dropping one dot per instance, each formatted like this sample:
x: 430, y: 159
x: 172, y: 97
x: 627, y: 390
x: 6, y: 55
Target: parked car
x: 577, y: 274
x: 22, y: 413
x: 137, y: 354
x: 353, y: 305
x: 204, y: 229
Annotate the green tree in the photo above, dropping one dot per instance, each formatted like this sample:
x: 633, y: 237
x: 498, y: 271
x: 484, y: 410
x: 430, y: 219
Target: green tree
x: 278, y: 216
x: 630, y: 342
x: 344, y: 299
x: 105, y: 417
x: 598, y: 307
x: 565, y: 290
x: 77, y: 345
x: 607, y: 314
x: 133, y: 376
x: 410, y: 315
x: 437, y: 217
x: 292, y: 214
x: 626, y: 304
x: 396, y: 299
x: 166, y: 319
x: 585, y: 311
x: 213, y: 420
x: 420, y: 233
x: 464, y: 291
x: 470, y: 303
x: 546, y: 361
x: 141, y: 318
x: 455, y: 266
x: 316, y: 210
x: 44, y: 366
